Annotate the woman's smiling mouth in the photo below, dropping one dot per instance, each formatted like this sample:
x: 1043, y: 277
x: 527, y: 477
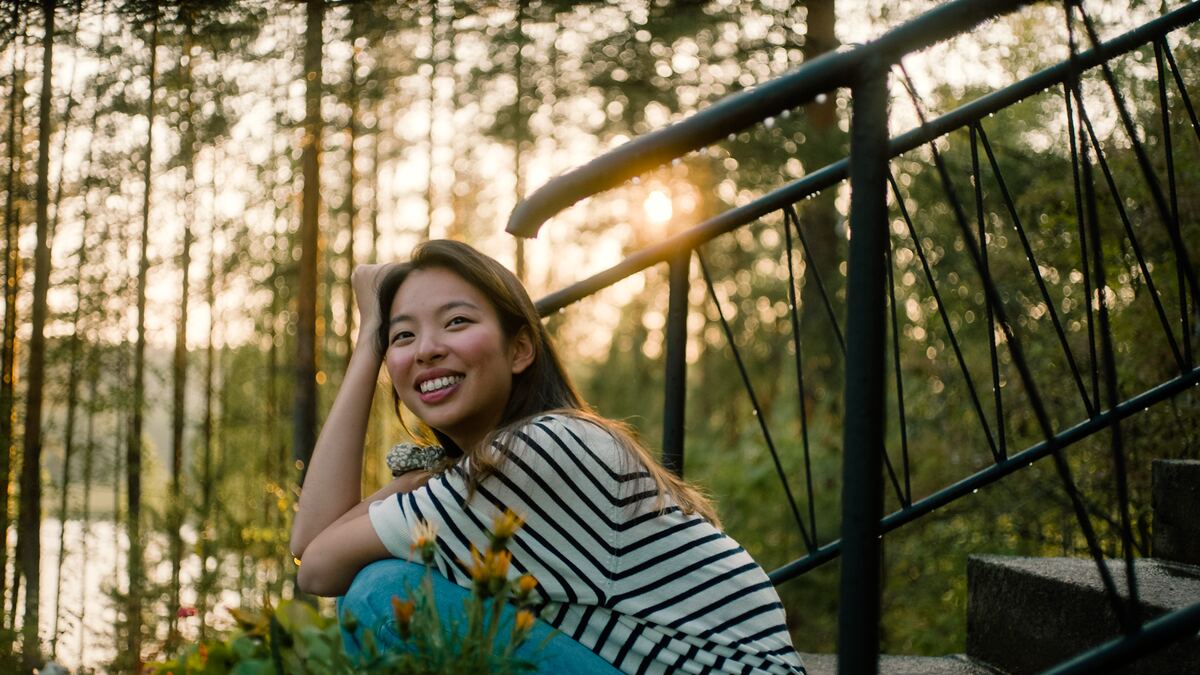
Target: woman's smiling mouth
x: 439, y: 383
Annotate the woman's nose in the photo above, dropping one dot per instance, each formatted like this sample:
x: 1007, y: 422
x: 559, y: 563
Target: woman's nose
x: 430, y: 347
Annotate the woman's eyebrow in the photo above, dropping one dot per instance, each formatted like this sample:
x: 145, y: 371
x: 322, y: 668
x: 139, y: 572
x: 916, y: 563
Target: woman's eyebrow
x: 453, y: 304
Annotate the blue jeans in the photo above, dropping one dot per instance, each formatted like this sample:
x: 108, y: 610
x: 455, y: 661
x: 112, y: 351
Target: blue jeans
x: 369, y: 600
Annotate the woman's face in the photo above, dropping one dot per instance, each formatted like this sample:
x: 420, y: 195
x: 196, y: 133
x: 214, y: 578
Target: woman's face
x: 448, y: 357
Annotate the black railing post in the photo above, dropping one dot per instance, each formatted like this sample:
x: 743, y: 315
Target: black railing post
x: 866, y: 321
x: 675, y: 381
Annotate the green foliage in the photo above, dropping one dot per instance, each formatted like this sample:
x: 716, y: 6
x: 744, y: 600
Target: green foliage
x: 294, y: 637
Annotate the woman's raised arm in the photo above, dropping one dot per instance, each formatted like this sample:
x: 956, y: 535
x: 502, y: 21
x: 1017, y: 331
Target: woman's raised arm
x: 332, y: 484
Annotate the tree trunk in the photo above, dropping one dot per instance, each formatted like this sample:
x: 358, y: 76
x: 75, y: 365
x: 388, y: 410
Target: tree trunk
x: 434, y: 17
x: 73, y: 357
x: 123, y: 422
x: 819, y: 217
x: 304, y: 415
x: 277, y: 465
x: 179, y: 364
x: 85, y: 516
x: 133, y: 451
x: 12, y: 282
x: 206, y: 429
x: 375, y: 138
x: 277, y: 453
x: 30, y: 521
x: 519, y: 135
x: 62, y: 147
x: 352, y: 212
x: 68, y: 436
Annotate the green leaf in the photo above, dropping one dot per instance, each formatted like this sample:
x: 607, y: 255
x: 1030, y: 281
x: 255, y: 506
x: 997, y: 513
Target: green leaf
x: 294, y: 615
x: 246, y: 648
x: 253, y: 667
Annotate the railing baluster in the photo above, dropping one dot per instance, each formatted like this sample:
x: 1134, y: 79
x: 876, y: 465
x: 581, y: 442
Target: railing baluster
x: 816, y: 275
x: 937, y: 298
x: 1092, y: 220
x: 997, y: 396
x: 793, y: 312
x: 1173, y: 195
x: 1130, y: 618
x: 1183, y: 93
x: 789, y: 212
x: 1131, y: 615
x: 1037, y: 273
x: 758, y: 413
x: 1075, y: 135
x: 1130, y: 234
x: 906, y: 502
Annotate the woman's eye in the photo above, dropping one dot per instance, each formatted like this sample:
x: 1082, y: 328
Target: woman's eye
x: 401, y: 336
x: 458, y: 321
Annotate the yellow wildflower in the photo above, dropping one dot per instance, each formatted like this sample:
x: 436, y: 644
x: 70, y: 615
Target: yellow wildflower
x: 524, y: 620
x: 526, y: 583
x: 507, y: 523
x: 424, y: 540
x: 489, y: 570
x: 504, y: 527
x: 524, y: 586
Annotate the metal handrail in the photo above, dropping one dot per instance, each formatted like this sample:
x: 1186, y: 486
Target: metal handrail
x: 734, y: 113
x: 835, y: 172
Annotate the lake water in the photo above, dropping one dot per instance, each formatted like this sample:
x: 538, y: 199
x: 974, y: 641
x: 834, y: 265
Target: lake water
x: 85, y: 627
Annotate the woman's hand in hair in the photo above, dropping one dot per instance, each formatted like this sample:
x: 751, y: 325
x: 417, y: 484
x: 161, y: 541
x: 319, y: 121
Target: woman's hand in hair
x: 366, y: 280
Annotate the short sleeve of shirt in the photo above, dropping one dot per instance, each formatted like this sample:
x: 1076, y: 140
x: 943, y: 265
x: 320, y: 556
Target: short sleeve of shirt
x: 388, y: 521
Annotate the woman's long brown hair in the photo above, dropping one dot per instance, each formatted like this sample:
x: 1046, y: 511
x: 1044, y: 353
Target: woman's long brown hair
x: 543, y: 387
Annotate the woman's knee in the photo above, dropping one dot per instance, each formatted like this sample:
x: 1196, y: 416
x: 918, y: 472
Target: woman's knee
x: 368, y: 601
x: 384, y: 578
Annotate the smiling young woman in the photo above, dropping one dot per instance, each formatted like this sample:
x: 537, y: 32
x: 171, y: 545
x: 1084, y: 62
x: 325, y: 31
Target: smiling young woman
x: 633, y: 570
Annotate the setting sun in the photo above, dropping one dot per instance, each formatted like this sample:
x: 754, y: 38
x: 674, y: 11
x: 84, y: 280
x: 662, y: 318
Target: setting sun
x: 658, y: 207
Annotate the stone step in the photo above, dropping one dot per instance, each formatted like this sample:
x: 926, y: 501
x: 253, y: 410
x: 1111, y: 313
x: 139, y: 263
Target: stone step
x: 1027, y: 614
x: 1176, y: 491
x: 956, y: 664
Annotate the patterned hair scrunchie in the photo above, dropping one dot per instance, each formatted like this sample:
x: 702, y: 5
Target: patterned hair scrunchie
x: 405, y: 457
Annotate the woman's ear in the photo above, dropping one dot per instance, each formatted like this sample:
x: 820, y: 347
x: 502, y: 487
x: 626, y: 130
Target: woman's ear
x: 521, y: 351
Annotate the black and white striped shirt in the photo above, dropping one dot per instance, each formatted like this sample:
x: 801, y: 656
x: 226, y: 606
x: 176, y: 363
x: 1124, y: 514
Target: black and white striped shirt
x: 649, y: 591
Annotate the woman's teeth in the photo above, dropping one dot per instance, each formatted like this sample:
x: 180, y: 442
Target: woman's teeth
x: 439, y: 383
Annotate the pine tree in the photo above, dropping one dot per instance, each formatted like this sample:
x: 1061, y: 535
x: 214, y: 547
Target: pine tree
x: 186, y: 19
x: 133, y: 450
x: 30, y: 518
x: 304, y: 415
x: 12, y: 278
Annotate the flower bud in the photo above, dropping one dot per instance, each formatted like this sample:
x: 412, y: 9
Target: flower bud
x: 403, y: 609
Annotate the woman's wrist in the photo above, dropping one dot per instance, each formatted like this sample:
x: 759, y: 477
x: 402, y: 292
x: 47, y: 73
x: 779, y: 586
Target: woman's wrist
x: 368, y: 340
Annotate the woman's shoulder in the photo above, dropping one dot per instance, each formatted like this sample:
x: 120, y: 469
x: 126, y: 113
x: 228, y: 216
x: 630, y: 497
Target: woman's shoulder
x: 569, y: 428
x: 574, y: 437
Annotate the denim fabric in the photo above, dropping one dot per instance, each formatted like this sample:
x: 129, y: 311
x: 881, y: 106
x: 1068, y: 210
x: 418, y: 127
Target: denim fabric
x: 369, y: 600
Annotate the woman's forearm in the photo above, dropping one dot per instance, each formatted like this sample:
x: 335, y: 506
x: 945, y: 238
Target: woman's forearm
x: 333, y: 482
x: 406, y: 483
